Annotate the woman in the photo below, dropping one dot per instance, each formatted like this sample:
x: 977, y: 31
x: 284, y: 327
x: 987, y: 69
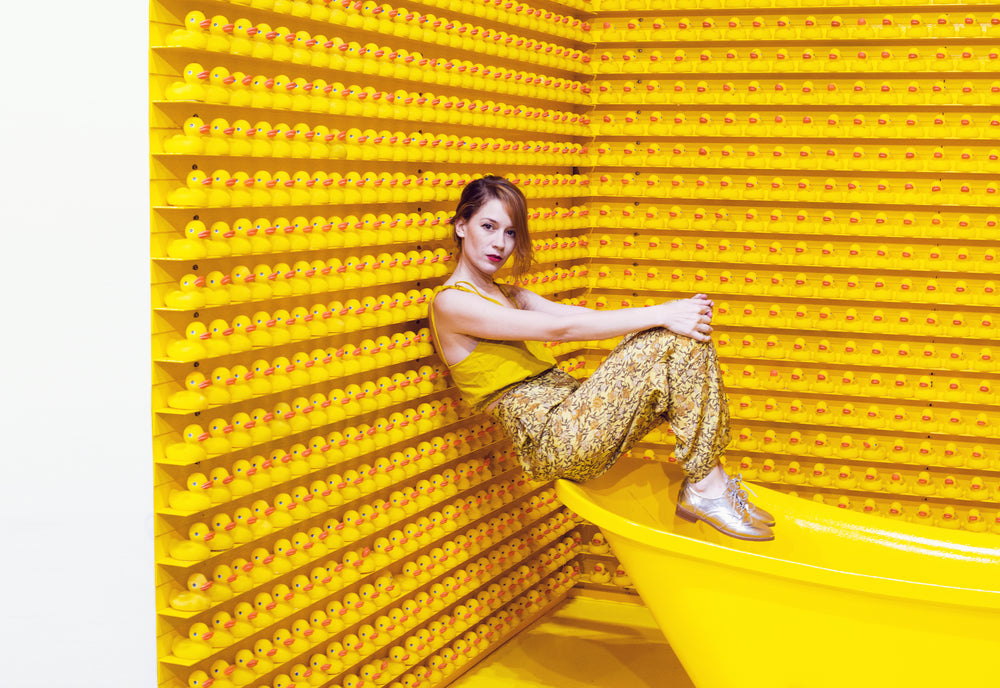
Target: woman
x: 490, y: 337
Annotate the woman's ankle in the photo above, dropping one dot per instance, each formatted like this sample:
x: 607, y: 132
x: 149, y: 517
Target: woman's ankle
x: 713, y: 485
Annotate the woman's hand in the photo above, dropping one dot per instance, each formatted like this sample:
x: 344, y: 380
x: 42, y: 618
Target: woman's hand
x: 690, y: 317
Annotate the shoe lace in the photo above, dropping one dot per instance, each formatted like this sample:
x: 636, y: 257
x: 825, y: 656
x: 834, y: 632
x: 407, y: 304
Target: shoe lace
x: 738, y: 492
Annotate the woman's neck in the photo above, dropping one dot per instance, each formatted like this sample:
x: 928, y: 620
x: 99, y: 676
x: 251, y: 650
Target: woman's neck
x: 481, y: 280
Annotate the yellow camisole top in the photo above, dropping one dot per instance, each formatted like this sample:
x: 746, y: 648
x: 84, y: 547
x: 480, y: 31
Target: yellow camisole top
x: 494, y: 365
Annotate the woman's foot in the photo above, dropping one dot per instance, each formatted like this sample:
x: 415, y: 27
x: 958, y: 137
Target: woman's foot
x: 721, y: 502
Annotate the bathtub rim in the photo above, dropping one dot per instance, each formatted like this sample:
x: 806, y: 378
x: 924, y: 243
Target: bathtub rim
x: 799, y: 572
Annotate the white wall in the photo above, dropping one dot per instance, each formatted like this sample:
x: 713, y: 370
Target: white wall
x: 76, y: 554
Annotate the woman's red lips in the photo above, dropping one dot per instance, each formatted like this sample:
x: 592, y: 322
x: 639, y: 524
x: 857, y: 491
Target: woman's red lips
x: 493, y: 258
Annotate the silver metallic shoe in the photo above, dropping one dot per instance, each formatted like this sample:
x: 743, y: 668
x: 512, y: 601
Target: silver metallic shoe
x: 726, y: 513
x: 756, y: 513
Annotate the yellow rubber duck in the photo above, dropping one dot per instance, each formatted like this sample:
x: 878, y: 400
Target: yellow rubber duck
x: 193, y: 499
x: 195, y: 597
x: 189, y: 450
x: 192, y: 86
x: 194, y: 193
x: 195, y: 646
x: 195, y: 548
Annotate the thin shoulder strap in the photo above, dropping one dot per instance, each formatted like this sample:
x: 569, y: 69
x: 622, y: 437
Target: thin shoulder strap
x: 470, y: 288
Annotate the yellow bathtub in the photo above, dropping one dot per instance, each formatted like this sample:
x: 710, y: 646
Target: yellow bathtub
x: 838, y: 598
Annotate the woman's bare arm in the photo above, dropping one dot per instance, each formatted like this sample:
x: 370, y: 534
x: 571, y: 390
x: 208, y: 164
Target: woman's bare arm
x: 529, y: 300
x: 542, y: 320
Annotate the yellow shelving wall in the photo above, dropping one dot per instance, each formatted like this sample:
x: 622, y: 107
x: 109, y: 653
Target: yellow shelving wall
x: 825, y: 172
x: 828, y: 173
x: 327, y: 510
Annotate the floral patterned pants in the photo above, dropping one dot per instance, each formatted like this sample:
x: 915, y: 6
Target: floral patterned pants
x: 564, y: 429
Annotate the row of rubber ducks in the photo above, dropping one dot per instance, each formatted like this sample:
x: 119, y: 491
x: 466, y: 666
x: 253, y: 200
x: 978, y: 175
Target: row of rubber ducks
x: 220, y: 337
x: 795, y: 221
x: 833, y: 28
x: 387, y: 19
x: 230, y: 385
x: 601, y: 573
x: 260, y: 41
x: 699, y: 5
x: 886, y: 450
x: 904, y: 355
x: 218, y: 289
x: 727, y: 155
x: 263, y: 519
x: 327, y: 622
x: 219, y: 86
x: 895, y: 192
x: 901, y: 291
x: 728, y: 249
x: 795, y: 445
x: 302, y: 460
x: 854, y: 320
x: 260, y: 425
x: 950, y: 423
x: 778, y: 124
x: 553, y: 281
x: 266, y: 282
x: 320, y: 232
x: 850, y: 321
x: 798, y: 60
x: 277, y: 235
x: 517, y: 14
x: 245, y: 236
x: 352, y: 100
x: 855, y: 384
x: 900, y: 482
x: 972, y: 520
x: 806, y: 92
x: 241, y: 139
x: 444, y: 645
x: 220, y: 189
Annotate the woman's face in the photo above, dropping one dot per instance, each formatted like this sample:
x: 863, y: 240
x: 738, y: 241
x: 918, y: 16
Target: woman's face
x: 487, y: 237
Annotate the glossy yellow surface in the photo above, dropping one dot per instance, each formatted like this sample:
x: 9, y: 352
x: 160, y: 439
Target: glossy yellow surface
x: 837, y: 599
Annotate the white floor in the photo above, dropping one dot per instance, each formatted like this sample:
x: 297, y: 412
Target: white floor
x: 585, y: 642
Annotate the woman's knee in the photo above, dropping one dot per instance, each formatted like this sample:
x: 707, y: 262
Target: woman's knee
x: 671, y: 342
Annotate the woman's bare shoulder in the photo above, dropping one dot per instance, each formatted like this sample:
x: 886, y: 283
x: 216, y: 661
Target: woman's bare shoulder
x: 450, y: 297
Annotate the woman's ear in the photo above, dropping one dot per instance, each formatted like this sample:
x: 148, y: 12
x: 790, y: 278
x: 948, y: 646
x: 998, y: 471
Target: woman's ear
x: 460, y: 229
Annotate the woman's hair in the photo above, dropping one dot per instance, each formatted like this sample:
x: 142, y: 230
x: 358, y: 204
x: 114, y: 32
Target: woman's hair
x: 479, y: 192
